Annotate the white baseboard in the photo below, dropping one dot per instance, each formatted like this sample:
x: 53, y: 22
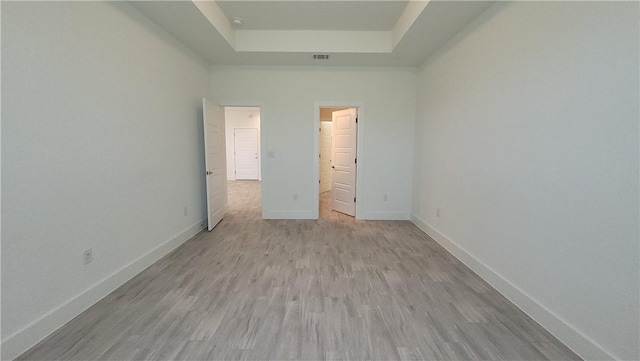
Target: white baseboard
x: 19, y: 342
x: 383, y: 216
x: 380, y: 216
x: 581, y: 344
x: 266, y: 214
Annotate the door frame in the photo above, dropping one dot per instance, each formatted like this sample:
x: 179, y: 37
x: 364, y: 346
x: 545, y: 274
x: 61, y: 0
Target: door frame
x: 263, y: 171
x: 359, y: 105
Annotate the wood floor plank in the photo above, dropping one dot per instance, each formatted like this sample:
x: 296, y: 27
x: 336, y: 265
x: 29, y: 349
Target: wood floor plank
x: 330, y: 289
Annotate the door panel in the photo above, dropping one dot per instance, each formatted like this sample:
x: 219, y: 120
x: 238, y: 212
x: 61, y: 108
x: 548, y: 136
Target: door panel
x: 246, y: 149
x: 214, y: 155
x: 343, y: 184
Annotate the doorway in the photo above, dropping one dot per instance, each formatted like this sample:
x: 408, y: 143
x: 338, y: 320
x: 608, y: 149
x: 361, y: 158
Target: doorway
x: 242, y: 134
x: 243, y: 159
x: 337, y: 165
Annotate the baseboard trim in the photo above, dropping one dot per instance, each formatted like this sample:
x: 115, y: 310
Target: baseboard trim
x: 581, y: 344
x: 266, y: 214
x: 19, y: 342
x: 383, y: 216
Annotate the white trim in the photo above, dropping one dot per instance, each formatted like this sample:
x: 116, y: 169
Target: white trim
x: 19, y: 342
x: 359, y: 105
x: 580, y: 343
x: 384, y: 216
x: 266, y: 214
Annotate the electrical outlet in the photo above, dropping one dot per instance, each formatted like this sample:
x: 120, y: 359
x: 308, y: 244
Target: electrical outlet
x: 295, y: 197
x: 438, y: 212
x: 385, y: 197
x: 88, y: 256
x: 186, y: 211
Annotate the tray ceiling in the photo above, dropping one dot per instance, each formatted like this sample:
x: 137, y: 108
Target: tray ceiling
x: 353, y: 33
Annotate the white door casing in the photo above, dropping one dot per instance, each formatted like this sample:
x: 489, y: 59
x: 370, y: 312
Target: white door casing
x: 215, y: 162
x: 246, y: 153
x: 343, y: 156
x: 325, y: 156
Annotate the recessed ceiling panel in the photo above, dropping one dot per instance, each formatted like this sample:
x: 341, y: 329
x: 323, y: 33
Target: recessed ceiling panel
x: 436, y: 23
x: 314, y: 15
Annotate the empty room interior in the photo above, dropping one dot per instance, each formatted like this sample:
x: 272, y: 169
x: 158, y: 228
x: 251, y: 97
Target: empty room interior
x: 491, y: 150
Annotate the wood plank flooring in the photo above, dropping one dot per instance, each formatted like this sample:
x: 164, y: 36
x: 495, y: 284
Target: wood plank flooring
x: 331, y: 289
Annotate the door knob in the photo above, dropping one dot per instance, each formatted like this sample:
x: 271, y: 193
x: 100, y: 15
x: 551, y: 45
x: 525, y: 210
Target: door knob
x: 333, y: 166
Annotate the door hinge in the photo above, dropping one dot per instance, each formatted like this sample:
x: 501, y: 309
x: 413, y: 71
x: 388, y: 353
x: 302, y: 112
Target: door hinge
x: 356, y: 120
x: 320, y: 129
x: 356, y: 161
x: 354, y: 199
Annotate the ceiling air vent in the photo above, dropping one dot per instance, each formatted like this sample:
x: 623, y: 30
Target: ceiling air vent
x: 321, y: 56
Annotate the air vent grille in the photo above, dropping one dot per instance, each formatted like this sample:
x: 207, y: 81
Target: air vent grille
x: 321, y: 56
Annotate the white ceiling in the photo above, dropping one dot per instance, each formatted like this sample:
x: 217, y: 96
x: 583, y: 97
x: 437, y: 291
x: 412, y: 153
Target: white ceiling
x: 353, y: 33
x: 314, y: 15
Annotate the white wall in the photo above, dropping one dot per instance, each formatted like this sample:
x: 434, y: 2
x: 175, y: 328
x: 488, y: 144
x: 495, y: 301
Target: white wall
x: 288, y: 97
x: 101, y: 148
x: 527, y: 142
x: 239, y: 117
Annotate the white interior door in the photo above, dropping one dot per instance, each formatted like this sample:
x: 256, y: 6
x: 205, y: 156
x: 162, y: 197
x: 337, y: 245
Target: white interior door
x: 214, y: 156
x: 246, y: 151
x: 343, y: 156
x: 325, y: 156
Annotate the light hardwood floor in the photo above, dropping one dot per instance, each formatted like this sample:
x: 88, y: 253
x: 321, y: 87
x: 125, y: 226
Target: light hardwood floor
x: 334, y: 289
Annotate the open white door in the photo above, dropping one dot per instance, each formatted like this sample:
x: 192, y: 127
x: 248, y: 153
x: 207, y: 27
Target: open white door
x: 246, y: 149
x: 343, y: 156
x: 214, y: 157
